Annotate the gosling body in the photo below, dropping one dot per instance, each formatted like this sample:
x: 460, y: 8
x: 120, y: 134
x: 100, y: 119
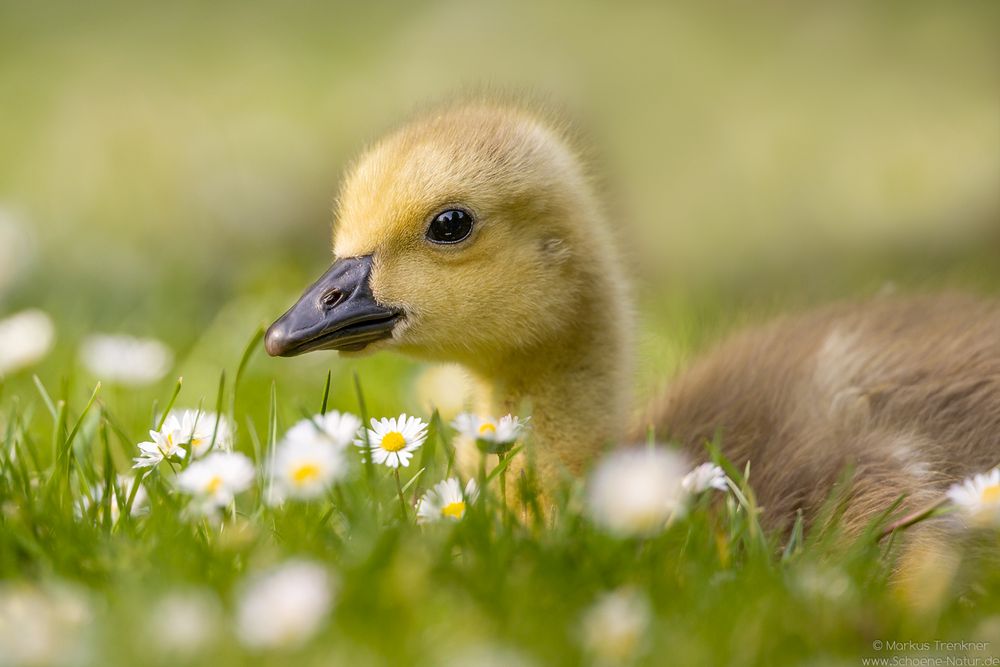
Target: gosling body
x: 902, y: 394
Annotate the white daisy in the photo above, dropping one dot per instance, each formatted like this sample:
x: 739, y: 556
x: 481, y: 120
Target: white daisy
x: 165, y: 444
x: 25, y: 338
x: 615, y: 628
x: 215, y: 480
x: 978, y: 498
x: 443, y: 387
x: 43, y: 625
x: 393, y: 441
x: 445, y: 500
x: 704, y: 477
x: 125, y: 360
x: 284, y: 607
x: 822, y: 581
x: 197, y: 429
x: 490, y: 432
x: 124, y: 484
x: 637, y: 491
x: 337, y: 428
x: 486, y: 654
x: 184, y: 622
x: 17, y: 245
x: 305, y: 468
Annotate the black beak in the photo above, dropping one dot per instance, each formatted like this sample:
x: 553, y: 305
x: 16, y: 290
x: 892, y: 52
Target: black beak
x: 338, y: 312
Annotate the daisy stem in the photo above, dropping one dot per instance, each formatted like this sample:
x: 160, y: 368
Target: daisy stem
x: 503, y: 483
x: 170, y: 463
x: 913, y: 518
x: 399, y: 489
x: 482, y: 472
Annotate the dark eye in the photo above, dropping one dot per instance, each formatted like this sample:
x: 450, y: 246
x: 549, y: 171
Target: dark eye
x: 450, y: 226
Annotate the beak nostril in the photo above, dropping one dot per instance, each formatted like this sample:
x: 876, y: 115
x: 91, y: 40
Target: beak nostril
x: 331, y: 298
x: 337, y: 312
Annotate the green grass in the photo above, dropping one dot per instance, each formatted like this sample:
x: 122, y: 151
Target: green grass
x: 721, y: 592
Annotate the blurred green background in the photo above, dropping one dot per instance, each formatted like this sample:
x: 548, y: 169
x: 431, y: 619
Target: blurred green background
x: 170, y: 167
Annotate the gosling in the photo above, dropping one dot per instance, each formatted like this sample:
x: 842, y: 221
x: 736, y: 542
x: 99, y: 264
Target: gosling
x: 474, y: 235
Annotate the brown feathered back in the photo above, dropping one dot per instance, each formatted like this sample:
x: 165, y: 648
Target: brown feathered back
x: 903, y: 391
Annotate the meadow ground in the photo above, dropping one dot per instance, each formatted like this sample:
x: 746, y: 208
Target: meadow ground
x: 86, y: 581
x: 167, y: 173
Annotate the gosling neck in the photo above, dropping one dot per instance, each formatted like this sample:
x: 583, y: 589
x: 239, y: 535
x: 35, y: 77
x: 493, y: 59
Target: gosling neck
x: 575, y: 387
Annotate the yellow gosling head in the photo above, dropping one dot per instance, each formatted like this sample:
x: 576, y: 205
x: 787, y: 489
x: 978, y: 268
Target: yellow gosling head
x: 467, y: 235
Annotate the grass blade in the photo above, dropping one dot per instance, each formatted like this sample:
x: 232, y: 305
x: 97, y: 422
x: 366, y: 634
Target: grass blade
x: 248, y: 353
x: 363, y: 409
x: 45, y: 397
x: 68, y: 444
x: 218, y: 410
x: 413, y: 479
x: 170, y: 403
x: 503, y: 465
x: 795, y: 540
x: 429, y: 452
x: 326, y: 393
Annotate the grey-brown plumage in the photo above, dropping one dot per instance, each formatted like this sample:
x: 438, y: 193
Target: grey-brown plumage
x: 903, y: 391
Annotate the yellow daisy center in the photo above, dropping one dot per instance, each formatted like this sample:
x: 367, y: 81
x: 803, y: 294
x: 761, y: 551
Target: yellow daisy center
x: 213, y: 484
x: 454, y: 510
x: 487, y: 428
x: 991, y: 494
x: 393, y: 441
x: 305, y: 473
